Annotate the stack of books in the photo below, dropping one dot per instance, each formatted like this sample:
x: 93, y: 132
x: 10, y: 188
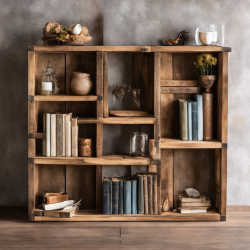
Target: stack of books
x: 191, y: 118
x: 56, y: 205
x: 130, y: 195
x: 61, y: 135
x: 186, y: 204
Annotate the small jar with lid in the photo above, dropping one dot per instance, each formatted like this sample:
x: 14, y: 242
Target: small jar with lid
x: 85, y: 147
x: 49, y: 84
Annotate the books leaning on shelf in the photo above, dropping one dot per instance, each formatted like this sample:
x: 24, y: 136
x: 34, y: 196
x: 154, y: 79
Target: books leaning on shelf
x: 130, y: 195
x: 191, y: 118
x: 61, y: 135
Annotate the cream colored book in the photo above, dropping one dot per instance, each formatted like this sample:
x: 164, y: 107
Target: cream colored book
x: 68, y: 135
x: 183, y: 119
x: 53, y: 135
x: 74, y: 137
x: 44, y: 131
x: 47, y: 134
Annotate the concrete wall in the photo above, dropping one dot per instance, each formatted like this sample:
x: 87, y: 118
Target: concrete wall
x: 112, y: 22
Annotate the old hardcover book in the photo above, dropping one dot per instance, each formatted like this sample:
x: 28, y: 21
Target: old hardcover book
x: 44, y: 131
x: 190, y: 210
x: 127, y: 196
x: 140, y: 204
x: 60, y: 135
x: 189, y: 119
x: 120, y: 206
x: 58, y: 205
x: 47, y: 134
x: 150, y: 194
x: 185, y: 198
x: 183, y: 119
x: 199, y: 100
x: 106, y: 195
x: 207, y: 203
x: 110, y: 196
x: 68, y: 135
x: 194, y: 121
x: 74, y: 137
x: 155, y: 200
x: 115, y: 195
x: 49, y: 198
x: 145, y: 191
x: 53, y: 134
x: 133, y: 196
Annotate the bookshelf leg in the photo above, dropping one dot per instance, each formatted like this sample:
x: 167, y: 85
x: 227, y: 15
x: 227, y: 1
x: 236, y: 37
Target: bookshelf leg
x: 99, y: 188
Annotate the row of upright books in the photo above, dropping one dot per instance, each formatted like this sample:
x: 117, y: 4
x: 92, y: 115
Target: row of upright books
x: 61, y: 135
x: 130, y: 195
x: 191, y: 118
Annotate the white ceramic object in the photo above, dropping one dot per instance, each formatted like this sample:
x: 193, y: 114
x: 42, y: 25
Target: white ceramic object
x: 191, y: 192
x: 75, y: 29
x: 204, y: 36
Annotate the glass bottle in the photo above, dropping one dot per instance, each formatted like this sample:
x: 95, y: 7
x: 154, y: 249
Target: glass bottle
x: 49, y: 84
x: 138, y: 143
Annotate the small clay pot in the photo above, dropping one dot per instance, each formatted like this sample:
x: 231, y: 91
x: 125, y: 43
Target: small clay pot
x: 85, y: 147
x: 81, y: 83
x: 207, y: 82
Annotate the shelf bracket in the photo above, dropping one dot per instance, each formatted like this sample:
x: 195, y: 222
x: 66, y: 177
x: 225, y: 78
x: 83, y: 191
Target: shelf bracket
x: 99, y: 98
x: 155, y: 162
x: 31, y: 98
x: 224, y: 145
x: 31, y: 160
x: 30, y: 48
x: 223, y: 218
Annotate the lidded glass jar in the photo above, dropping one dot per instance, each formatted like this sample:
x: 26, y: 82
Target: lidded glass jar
x: 138, y: 144
x: 49, y: 84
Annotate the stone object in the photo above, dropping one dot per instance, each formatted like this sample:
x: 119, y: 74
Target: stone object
x: 166, y: 206
x: 81, y: 83
x: 193, y: 193
x: 75, y: 29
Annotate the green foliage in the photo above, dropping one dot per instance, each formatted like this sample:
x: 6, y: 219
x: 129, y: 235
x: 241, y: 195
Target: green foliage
x: 62, y: 34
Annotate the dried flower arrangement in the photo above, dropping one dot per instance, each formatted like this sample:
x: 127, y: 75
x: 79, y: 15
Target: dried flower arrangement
x: 206, y: 64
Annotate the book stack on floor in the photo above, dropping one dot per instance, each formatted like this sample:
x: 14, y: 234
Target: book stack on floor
x: 54, y: 205
x: 61, y: 135
x: 191, y: 119
x: 187, y: 204
x: 130, y: 195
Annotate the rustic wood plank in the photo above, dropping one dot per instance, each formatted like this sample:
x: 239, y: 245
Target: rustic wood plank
x: 166, y: 67
x: 223, y: 181
x: 99, y: 139
x: 105, y: 86
x: 185, y: 49
x: 65, y: 98
x: 218, y: 179
x: 159, y: 188
x: 177, y: 90
x: 179, y: 83
x: 99, y: 192
x: 31, y: 73
x: 37, y: 135
x: 99, y: 84
x: 129, y: 113
x: 118, y: 120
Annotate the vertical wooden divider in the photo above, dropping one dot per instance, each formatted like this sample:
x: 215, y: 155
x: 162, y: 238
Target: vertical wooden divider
x: 105, y: 86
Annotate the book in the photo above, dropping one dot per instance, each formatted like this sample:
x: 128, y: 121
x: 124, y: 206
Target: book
x: 49, y: 198
x: 47, y: 134
x: 64, y: 135
x: 127, y: 196
x: 133, y: 196
x: 191, y: 210
x: 145, y: 191
x: 140, y: 199
x: 115, y: 195
x: 150, y: 194
x: 53, y: 134
x: 199, y: 100
x: 155, y: 200
x: 44, y: 131
x: 189, y: 119
x: 68, y: 135
x: 74, y: 137
x: 67, y: 213
x: 60, y: 135
x: 58, y: 205
x: 207, y: 203
x: 183, y: 119
x: 106, y: 195
x: 110, y: 196
x: 194, y: 121
x: 185, y: 198
x: 120, y: 205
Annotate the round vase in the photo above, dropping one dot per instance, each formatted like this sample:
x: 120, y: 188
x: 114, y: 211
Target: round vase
x: 206, y: 81
x: 81, y: 83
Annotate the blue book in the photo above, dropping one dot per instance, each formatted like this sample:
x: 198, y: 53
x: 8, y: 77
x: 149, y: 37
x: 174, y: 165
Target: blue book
x: 110, y: 196
x: 189, y: 119
x: 120, y: 206
x: 140, y: 193
x: 194, y: 121
x: 127, y: 196
x: 115, y: 195
x: 199, y: 100
x: 106, y: 196
x: 134, y: 196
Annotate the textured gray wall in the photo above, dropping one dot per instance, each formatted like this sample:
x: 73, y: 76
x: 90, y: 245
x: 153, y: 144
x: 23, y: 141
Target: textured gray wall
x: 112, y: 22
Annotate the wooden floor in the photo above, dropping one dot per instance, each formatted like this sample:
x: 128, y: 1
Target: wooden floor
x: 17, y: 233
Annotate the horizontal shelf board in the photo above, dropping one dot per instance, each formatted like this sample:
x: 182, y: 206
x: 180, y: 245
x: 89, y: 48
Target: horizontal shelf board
x: 65, y: 98
x: 95, y: 215
x: 179, y: 90
x: 177, y: 143
x: 104, y: 160
x: 179, y: 83
x: 189, y: 49
x: 119, y: 120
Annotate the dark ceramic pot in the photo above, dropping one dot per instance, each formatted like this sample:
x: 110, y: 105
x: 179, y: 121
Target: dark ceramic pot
x: 206, y: 82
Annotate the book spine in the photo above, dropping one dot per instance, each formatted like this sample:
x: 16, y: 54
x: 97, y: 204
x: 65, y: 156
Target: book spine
x: 145, y: 190
x: 115, y: 196
x: 150, y: 194
x: 140, y: 195
x: 183, y: 119
x: 127, y: 197
x: 59, y: 135
x: 47, y: 134
x: 74, y: 137
x: 64, y: 135
x: 68, y: 135
x: 44, y: 131
x: 110, y: 196
x: 134, y: 196
x: 189, y: 120
x: 53, y: 135
x: 194, y: 121
x: 200, y: 117
x: 155, y: 200
x: 105, y: 196
x: 120, y: 207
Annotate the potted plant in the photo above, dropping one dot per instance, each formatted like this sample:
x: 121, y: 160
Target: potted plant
x: 206, y: 65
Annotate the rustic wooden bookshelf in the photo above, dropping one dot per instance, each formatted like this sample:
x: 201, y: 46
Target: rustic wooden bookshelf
x: 167, y: 75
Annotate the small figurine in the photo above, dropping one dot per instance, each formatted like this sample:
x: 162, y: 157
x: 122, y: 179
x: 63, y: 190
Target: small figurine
x: 180, y: 39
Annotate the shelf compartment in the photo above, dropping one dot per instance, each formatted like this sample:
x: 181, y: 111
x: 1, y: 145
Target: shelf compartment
x: 65, y: 98
x: 119, y: 120
x: 104, y: 160
x: 175, y: 143
x: 95, y: 215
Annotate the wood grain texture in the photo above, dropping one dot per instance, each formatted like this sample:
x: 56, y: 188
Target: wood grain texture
x: 105, y: 86
x: 65, y: 98
x: 177, y: 90
x: 99, y: 84
x: 129, y: 113
x: 99, y: 192
x: 166, y: 67
x: 179, y: 83
x: 118, y: 120
x: 99, y: 139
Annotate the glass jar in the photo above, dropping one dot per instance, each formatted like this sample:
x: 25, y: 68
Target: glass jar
x: 49, y: 84
x: 138, y: 144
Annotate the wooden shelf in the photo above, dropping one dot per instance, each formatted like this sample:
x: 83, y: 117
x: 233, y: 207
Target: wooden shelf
x: 169, y: 143
x: 95, y: 215
x: 119, y: 120
x: 104, y: 160
x: 65, y: 98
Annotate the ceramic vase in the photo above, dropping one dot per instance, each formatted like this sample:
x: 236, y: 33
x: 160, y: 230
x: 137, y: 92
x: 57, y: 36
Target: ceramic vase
x: 81, y: 83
